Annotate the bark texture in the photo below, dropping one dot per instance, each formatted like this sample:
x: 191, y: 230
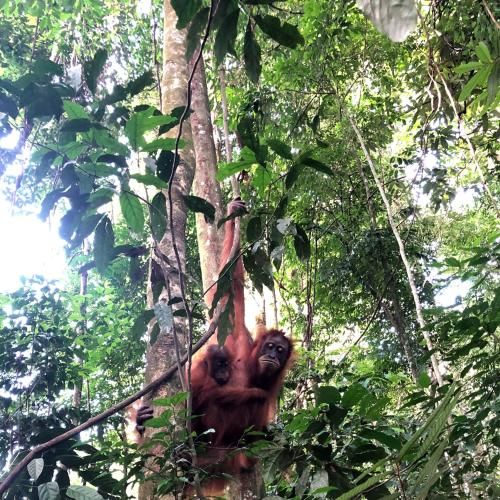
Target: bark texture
x: 205, y: 184
x: 165, y: 350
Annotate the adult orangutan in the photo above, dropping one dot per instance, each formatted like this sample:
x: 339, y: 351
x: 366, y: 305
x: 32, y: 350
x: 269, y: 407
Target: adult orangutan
x: 235, y: 387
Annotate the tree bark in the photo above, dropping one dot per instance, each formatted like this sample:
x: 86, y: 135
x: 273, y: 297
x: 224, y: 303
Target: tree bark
x: 205, y: 184
x: 165, y: 350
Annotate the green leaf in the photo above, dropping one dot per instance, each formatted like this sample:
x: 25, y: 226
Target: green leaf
x: 195, y: 31
x: 199, y: 205
x: 317, y: 165
x: 245, y: 162
x: 104, y: 241
x: 386, y: 439
x: 98, y: 169
x: 354, y: 394
x: 424, y: 380
x: 285, y: 34
x: 493, y: 83
x: 164, y: 164
x: 163, y: 143
x: 483, y: 53
x: 467, y: 67
x: 48, y: 491
x: 142, y: 121
x: 173, y: 400
x: 430, y: 473
x: 119, y: 160
x: 226, y: 36
x: 477, y: 80
x: 132, y: 212
x: 150, y: 180
x: 76, y: 125
x: 74, y: 110
x: 293, y: 175
x: 92, y: 69
x: 35, y: 468
x: 301, y: 243
x: 251, y: 54
x: 185, y: 10
x: 327, y: 394
x: 280, y: 148
x: 140, y: 83
x: 261, y: 179
x: 47, y: 67
x: 254, y: 228
x: 83, y: 493
x: 141, y: 323
x: 86, y: 226
x: 41, y: 101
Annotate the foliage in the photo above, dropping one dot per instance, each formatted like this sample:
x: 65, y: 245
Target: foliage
x: 361, y: 413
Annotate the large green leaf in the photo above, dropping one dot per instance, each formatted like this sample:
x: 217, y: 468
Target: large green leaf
x: 8, y: 106
x: 245, y: 161
x: 132, y: 211
x: 185, y: 10
x: 197, y: 204
x: 158, y: 215
x: 93, y: 68
x: 195, y: 31
x: 150, y: 180
x: 48, y: 491
x: 280, y: 148
x: 104, y: 241
x: 285, y: 34
x: 251, y: 54
x: 35, y: 468
x: 226, y: 36
x: 83, y: 493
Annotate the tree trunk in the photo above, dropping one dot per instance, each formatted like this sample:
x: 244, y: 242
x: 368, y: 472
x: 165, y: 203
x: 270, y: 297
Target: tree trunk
x: 164, y: 352
x: 247, y: 485
x: 205, y: 184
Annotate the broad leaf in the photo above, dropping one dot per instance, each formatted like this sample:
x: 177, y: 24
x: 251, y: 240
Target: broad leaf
x: 77, y: 125
x: 150, y: 180
x: 226, y: 36
x: 92, y: 69
x: 35, y: 468
x: 251, y: 54
x: 104, y: 241
x: 302, y: 244
x: 8, y: 106
x: 197, y: 204
x: 185, y: 10
x: 132, y: 212
x: 280, y: 148
x: 196, y: 28
x: 164, y: 143
x: 83, y: 493
x: 285, y: 34
x: 48, y: 491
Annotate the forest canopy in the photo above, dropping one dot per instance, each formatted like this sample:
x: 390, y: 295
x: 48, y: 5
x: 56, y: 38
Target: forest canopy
x: 363, y: 138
